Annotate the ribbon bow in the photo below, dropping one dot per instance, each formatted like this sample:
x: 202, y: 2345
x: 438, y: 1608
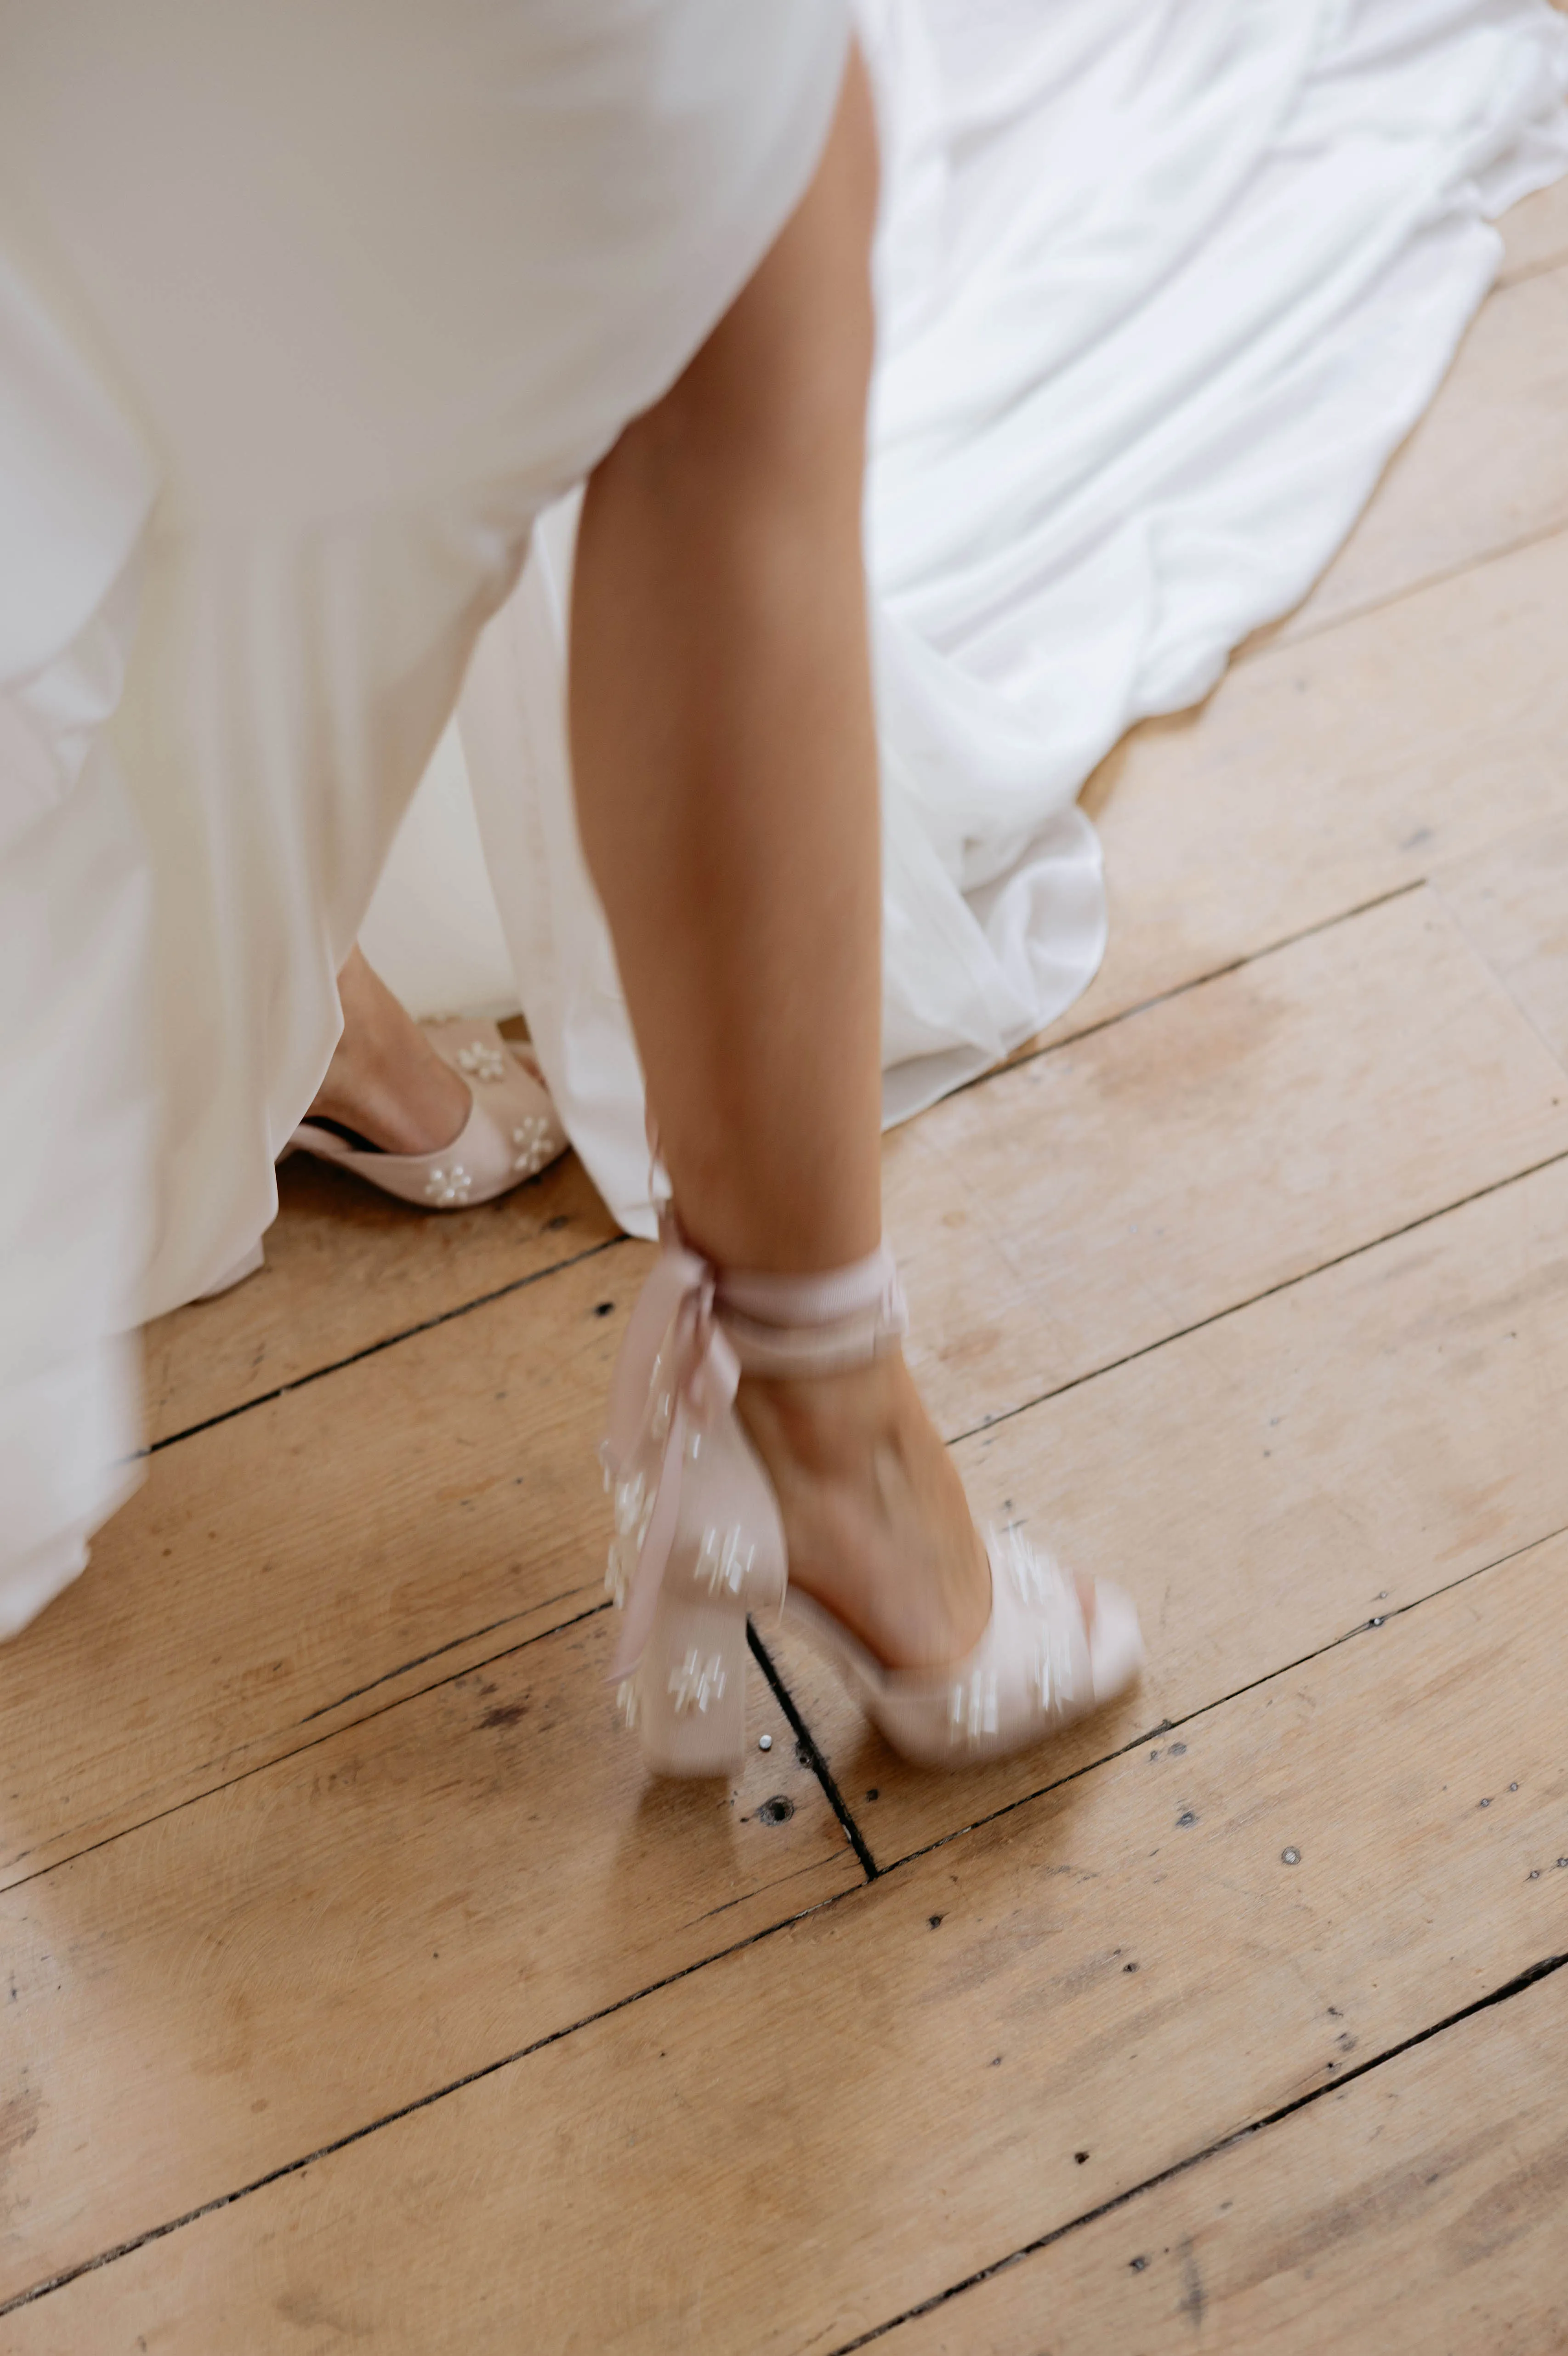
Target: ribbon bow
x: 676, y: 1375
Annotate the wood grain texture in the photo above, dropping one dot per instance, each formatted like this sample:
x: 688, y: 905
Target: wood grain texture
x: 321, y: 1944
x: 1121, y: 1189
x: 1486, y: 468
x: 1419, y: 2210
x: 347, y: 1269
x: 1329, y: 1454
x: 317, y: 1558
x: 1317, y: 777
x: 1511, y: 902
x: 809, y: 2136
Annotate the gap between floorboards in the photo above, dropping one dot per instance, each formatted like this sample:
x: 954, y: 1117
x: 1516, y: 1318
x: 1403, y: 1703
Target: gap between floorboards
x: 1532, y: 1977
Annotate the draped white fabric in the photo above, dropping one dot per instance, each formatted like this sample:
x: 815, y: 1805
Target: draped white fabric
x: 74, y: 907
x: 1162, y: 284
x: 304, y: 315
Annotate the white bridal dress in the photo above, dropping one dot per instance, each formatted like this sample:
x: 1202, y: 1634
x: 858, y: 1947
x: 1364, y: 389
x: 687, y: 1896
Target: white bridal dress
x: 1162, y: 284
x: 305, y: 314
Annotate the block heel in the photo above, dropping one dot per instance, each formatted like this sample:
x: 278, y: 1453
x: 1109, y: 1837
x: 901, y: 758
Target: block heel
x: 699, y: 1542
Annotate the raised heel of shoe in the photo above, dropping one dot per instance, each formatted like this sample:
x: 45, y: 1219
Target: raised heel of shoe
x: 686, y: 1697
x: 699, y: 1541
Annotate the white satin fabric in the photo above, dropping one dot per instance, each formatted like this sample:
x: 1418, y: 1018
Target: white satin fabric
x: 305, y: 314
x: 1162, y: 284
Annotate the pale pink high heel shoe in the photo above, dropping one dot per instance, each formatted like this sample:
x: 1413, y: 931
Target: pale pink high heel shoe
x: 512, y: 1131
x: 699, y: 1543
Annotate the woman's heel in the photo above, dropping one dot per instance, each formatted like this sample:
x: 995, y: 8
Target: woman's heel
x: 698, y: 1545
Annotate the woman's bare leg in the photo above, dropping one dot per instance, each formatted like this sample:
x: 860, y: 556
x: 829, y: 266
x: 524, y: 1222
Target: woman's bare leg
x: 726, y: 753
x: 726, y: 760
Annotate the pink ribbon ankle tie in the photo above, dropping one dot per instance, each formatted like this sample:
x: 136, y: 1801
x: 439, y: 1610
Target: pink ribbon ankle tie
x: 678, y: 1372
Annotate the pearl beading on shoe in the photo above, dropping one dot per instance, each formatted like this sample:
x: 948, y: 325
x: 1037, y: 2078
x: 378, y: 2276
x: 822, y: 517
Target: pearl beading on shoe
x: 1053, y: 1666
x: 724, y: 1559
x: 633, y: 1512
x: 697, y: 1683
x: 1050, y: 1598
x: 483, y: 1061
x: 1046, y: 1590
x: 448, y: 1184
x: 675, y: 1378
x: 534, y: 1143
x: 972, y: 1706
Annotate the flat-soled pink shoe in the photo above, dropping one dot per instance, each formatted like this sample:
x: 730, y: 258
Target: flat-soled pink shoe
x: 512, y: 1131
x: 699, y: 1543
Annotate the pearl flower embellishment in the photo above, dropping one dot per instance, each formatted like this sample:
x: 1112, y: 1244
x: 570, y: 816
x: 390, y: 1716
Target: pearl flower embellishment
x: 534, y: 1144
x: 696, y: 1683
x: 483, y: 1061
x: 448, y: 1183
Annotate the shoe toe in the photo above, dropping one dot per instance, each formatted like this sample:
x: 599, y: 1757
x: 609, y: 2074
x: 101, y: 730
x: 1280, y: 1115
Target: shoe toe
x: 1116, y: 1643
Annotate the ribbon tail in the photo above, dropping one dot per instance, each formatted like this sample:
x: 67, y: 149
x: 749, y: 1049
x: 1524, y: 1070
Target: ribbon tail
x: 636, y: 1620
x: 658, y: 1304
x: 717, y: 1377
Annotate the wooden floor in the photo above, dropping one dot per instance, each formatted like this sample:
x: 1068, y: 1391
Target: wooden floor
x: 359, y: 1993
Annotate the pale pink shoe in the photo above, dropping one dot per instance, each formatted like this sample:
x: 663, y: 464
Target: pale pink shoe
x: 512, y: 1131
x: 699, y: 1543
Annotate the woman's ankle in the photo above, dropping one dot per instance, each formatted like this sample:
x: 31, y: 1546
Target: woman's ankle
x: 389, y: 1109
x: 874, y: 1515
x: 385, y: 1079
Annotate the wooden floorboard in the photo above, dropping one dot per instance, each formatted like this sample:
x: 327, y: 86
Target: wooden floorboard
x: 1417, y: 2213
x: 325, y: 1941
x: 347, y: 1270
x: 372, y: 1533
x: 813, y: 2135
x: 1485, y: 468
x: 1098, y: 1199
x: 1535, y: 234
x: 1319, y: 777
x: 1511, y: 902
x: 1322, y: 1457
x: 199, y: 1953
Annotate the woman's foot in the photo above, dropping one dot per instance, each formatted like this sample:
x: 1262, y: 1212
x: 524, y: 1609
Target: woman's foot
x: 385, y: 1081
x: 875, y: 1520
x: 825, y: 1489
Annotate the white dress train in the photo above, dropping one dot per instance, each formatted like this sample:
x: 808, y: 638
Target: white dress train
x: 1160, y: 289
